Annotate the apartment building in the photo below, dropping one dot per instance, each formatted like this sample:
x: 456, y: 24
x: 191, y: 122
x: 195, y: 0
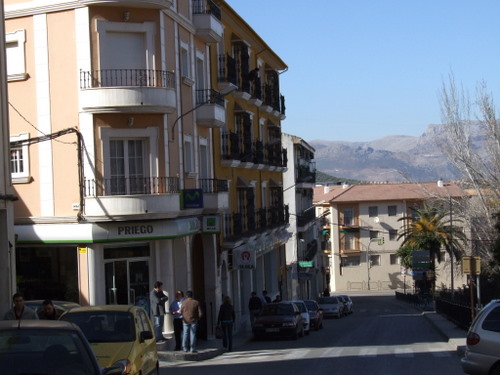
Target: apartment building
x: 361, y: 227
x: 248, y: 152
x: 6, y: 190
x: 306, y: 265
x: 110, y: 161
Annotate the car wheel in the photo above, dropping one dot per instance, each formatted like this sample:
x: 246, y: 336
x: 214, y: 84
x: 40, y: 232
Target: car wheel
x: 495, y: 370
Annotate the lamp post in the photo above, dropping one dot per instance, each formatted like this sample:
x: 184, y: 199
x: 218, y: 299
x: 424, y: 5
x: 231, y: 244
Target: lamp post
x: 451, y: 250
x: 368, y: 260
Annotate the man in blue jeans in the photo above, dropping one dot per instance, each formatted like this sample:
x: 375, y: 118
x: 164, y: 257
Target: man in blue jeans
x: 157, y: 299
x: 191, y: 314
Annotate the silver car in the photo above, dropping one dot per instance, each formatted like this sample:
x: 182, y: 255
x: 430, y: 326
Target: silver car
x: 482, y: 355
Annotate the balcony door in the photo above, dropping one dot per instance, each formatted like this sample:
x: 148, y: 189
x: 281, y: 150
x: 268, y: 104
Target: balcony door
x: 127, y: 166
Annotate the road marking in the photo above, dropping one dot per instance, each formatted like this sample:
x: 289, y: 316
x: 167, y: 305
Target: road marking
x: 368, y: 352
x: 332, y: 353
x: 403, y: 352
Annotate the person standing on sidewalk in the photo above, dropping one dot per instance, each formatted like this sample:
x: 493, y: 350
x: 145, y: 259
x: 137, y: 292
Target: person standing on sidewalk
x: 158, y: 299
x: 254, y: 306
x: 19, y: 311
x: 191, y: 314
x: 175, y: 309
x: 226, y: 320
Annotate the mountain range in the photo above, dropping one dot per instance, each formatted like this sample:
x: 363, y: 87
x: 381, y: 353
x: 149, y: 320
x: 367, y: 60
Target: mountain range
x: 396, y: 158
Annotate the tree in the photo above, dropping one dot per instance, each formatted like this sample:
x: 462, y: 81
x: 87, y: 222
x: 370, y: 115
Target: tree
x: 462, y: 120
x: 429, y: 228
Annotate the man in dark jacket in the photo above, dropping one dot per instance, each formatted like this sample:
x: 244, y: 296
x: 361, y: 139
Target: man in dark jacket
x: 254, y: 306
x: 157, y: 299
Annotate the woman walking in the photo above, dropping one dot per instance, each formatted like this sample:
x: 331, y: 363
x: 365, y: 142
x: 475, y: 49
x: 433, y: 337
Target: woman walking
x: 226, y: 320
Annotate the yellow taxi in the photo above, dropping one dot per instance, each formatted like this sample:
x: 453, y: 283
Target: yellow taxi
x: 118, y: 334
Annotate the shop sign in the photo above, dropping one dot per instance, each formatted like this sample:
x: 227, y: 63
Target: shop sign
x: 192, y: 198
x: 244, y: 258
x: 210, y: 224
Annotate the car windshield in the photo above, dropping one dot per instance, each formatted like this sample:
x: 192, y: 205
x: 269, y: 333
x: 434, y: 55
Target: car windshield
x: 44, y: 351
x: 328, y: 300
x: 277, y: 309
x: 301, y: 306
x: 310, y: 305
x: 104, y: 326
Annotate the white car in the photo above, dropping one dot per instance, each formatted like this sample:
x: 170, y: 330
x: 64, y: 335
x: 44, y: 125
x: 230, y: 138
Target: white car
x: 482, y: 356
x: 332, y: 306
x: 304, y: 311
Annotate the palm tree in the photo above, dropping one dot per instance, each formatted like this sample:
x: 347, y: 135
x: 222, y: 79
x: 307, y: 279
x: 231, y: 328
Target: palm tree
x: 429, y: 228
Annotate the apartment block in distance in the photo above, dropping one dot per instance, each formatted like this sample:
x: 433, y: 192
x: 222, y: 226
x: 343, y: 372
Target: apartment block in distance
x: 361, y: 227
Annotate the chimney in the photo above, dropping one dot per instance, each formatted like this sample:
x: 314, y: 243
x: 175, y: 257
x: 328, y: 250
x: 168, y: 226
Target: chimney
x: 440, y: 183
x: 326, y: 189
x: 345, y: 185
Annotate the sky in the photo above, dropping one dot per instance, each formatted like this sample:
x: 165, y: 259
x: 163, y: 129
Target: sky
x: 360, y: 70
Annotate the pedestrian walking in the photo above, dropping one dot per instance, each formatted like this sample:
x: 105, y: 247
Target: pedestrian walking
x: 158, y: 298
x: 175, y: 310
x: 191, y: 314
x: 226, y: 320
x: 265, y: 297
x: 254, y: 306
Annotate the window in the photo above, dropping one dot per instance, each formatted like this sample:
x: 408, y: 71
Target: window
x: 16, y: 66
x: 188, y: 154
x: 374, y: 234
x: 185, y: 68
x: 393, y: 235
x: 349, y: 241
x: 392, y: 210
x: 128, y: 169
x: 351, y: 261
x: 200, y: 72
x: 348, y: 216
x: 19, y: 160
x: 373, y: 211
x: 394, y: 259
x: 374, y: 260
x: 204, y: 157
x: 129, y: 160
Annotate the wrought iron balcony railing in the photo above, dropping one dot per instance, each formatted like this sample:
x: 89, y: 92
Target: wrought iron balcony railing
x: 206, y: 7
x: 127, y: 78
x: 130, y: 186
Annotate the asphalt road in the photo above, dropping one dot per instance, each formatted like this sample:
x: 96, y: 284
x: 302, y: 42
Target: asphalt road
x: 382, y: 337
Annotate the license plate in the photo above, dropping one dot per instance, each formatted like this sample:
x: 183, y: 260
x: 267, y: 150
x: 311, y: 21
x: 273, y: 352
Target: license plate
x: 272, y: 329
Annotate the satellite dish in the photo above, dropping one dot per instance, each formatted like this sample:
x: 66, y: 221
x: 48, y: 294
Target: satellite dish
x: 376, y: 220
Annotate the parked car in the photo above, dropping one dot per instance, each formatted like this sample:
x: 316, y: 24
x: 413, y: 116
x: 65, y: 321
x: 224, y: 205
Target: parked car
x: 315, y: 314
x: 482, y: 356
x: 36, y: 305
x: 118, y: 334
x: 276, y: 320
x: 332, y: 306
x: 349, y: 306
x: 47, y: 347
x: 304, y: 311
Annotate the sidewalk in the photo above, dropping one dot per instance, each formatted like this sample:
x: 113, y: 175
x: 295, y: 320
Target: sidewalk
x: 456, y: 336
x: 207, y: 349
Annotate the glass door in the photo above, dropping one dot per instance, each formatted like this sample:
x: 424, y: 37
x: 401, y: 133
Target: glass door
x: 127, y: 281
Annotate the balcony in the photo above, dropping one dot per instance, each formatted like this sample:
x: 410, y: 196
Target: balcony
x: 128, y: 90
x: 215, y: 195
x: 153, y: 4
x: 207, y: 21
x: 212, y: 114
x: 240, y: 227
x: 256, y: 155
x: 121, y: 197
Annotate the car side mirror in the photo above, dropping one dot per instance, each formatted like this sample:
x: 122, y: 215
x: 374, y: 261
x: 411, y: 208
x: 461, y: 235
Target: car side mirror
x: 145, y: 335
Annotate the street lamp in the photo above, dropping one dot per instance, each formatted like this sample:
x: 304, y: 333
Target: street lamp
x: 211, y: 99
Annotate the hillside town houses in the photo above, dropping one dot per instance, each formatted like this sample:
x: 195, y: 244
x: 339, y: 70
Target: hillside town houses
x: 144, y: 140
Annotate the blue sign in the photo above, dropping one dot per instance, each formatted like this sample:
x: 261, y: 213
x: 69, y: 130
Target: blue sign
x: 192, y: 198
